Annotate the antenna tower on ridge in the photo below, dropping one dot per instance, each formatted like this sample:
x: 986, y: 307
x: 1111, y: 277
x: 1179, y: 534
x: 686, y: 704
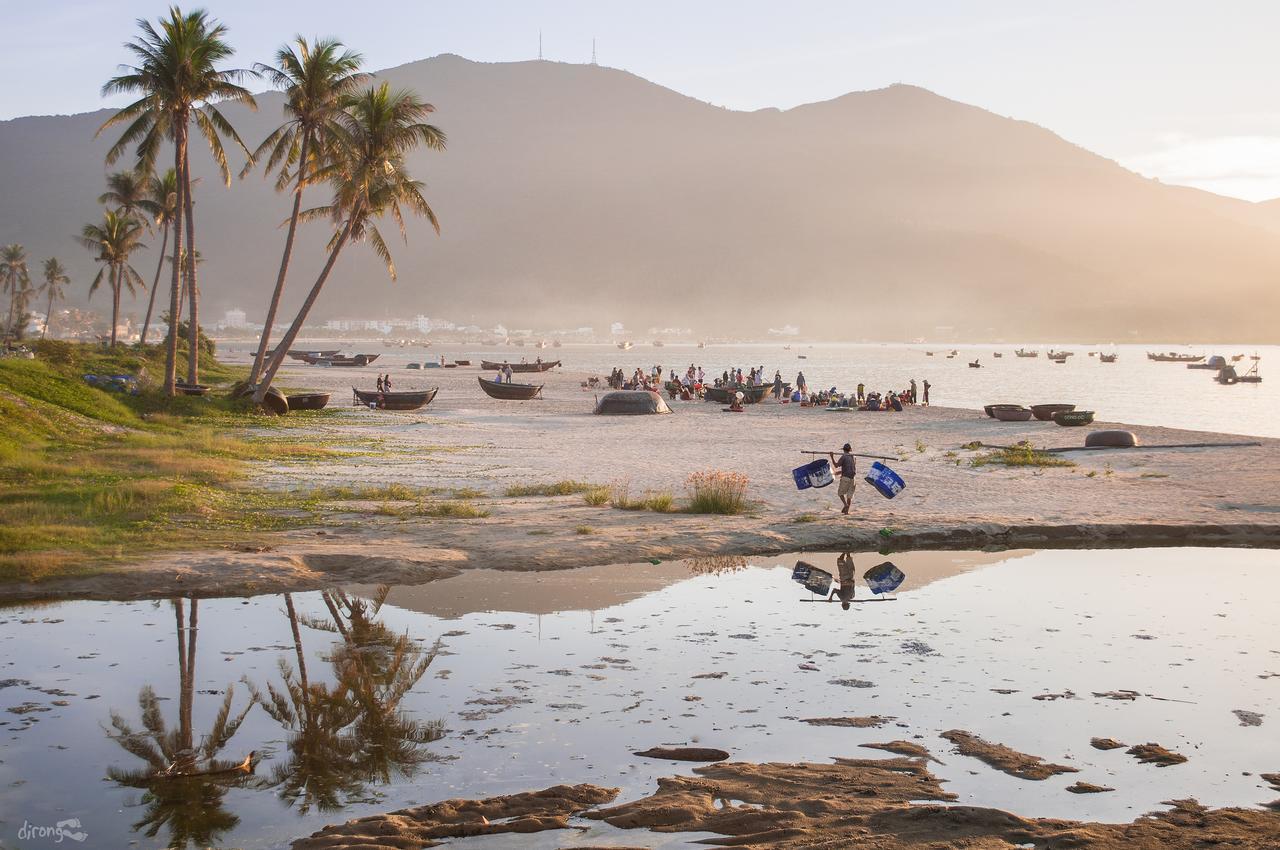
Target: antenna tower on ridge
x: 593, y: 52
x: 539, y: 45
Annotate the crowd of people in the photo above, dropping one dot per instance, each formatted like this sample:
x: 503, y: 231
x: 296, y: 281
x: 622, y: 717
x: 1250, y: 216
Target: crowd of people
x: 693, y: 382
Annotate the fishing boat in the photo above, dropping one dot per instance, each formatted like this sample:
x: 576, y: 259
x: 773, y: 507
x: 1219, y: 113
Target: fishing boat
x: 657, y: 343
x: 997, y: 354
x: 510, y: 392
x: 1073, y: 418
x: 308, y: 401
x: 542, y: 343
x: 1216, y: 362
x: 1059, y: 355
x: 626, y: 346
x: 1010, y: 414
x: 462, y: 363
x: 990, y: 409
x: 702, y: 344
x: 1174, y: 357
x: 1108, y: 358
x: 975, y: 365
x: 724, y: 395
x: 393, y: 401
x: 1022, y: 353
x: 1045, y: 412
x: 414, y: 365
x: 928, y: 354
x: 300, y: 354
x: 1228, y: 376
x: 346, y: 362
x: 536, y: 366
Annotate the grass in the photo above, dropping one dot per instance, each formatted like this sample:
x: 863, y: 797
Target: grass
x: 717, y: 492
x: 1154, y: 475
x: 1021, y: 455
x: 584, y: 530
x: 597, y: 496
x: 559, y: 488
x: 89, y: 478
x: 805, y: 518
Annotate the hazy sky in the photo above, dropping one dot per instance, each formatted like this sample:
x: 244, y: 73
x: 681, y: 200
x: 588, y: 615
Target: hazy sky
x: 1185, y: 91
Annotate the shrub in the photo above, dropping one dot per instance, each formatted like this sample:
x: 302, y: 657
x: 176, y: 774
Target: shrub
x: 585, y: 529
x: 597, y: 496
x: 559, y: 488
x: 717, y: 492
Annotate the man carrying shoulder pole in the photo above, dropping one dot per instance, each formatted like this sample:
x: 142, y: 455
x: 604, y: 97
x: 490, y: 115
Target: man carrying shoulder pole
x: 847, y: 468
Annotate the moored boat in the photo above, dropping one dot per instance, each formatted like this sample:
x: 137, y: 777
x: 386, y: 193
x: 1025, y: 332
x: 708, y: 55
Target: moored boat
x: 1022, y: 353
x: 537, y: 366
x: 1009, y: 414
x: 302, y: 354
x: 1073, y: 417
x: 724, y: 395
x: 510, y: 392
x: 1108, y: 358
x: 1174, y: 357
x: 308, y: 401
x: 394, y: 400
x: 1045, y: 412
x: 990, y: 409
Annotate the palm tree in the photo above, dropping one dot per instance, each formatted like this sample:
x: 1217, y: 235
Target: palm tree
x: 130, y: 192
x: 114, y: 240
x: 13, y: 277
x: 379, y: 128
x: 163, y: 195
x: 179, y: 84
x: 315, y: 79
x: 55, y: 277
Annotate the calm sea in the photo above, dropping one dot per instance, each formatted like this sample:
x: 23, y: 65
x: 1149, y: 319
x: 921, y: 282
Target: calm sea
x: 1133, y: 389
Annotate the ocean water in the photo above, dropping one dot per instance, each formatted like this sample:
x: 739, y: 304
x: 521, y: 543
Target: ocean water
x: 1132, y: 390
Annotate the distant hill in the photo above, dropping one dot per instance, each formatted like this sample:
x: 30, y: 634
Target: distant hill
x: 580, y: 195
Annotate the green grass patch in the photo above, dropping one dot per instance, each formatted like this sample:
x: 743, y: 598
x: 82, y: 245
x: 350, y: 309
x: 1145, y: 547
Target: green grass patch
x: 805, y: 518
x: 1021, y: 454
x: 559, y: 488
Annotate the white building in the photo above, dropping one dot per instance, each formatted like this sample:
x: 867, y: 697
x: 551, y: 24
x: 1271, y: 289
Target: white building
x: 235, y: 319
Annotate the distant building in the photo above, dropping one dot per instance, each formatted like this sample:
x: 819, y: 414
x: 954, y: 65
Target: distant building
x: 235, y: 319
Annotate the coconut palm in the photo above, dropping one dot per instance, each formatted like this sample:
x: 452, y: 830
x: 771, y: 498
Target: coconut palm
x: 113, y: 241
x: 14, y: 277
x: 130, y: 192
x: 163, y: 195
x: 315, y: 78
x: 55, y: 277
x: 180, y: 84
x: 378, y: 129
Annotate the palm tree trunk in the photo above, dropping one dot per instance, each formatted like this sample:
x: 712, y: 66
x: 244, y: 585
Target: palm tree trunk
x: 292, y: 334
x: 171, y: 349
x: 115, y: 301
x: 151, y: 303
x: 13, y: 297
x: 48, y: 314
x: 303, y: 152
x: 193, y: 292
x: 302, y: 657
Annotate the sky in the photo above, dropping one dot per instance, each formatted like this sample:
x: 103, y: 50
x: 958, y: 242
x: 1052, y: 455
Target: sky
x: 1182, y: 91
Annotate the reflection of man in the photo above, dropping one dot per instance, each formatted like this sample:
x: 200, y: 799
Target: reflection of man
x: 844, y: 565
x: 847, y: 468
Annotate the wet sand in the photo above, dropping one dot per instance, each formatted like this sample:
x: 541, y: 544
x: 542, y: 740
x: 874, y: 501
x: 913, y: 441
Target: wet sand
x: 1224, y: 497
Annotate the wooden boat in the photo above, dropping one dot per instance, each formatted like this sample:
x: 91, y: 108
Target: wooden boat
x: 1059, y: 360
x: 1009, y: 414
x: 1174, y: 357
x: 345, y: 362
x: 1216, y: 362
x: 539, y: 366
x: 657, y: 343
x: 1228, y: 376
x: 394, y: 401
x: 1108, y: 358
x: 625, y: 346
x: 975, y: 365
x: 510, y: 392
x: 462, y: 362
x: 308, y: 401
x: 414, y: 365
x: 724, y: 395
x: 1022, y: 353
x: 997, y: 354
x: 300, y: 354
x: 192, y: 389
x: 1060, y: 355
x: 1045, y: 412
x: 1073, y: 418
x: 990, y: 409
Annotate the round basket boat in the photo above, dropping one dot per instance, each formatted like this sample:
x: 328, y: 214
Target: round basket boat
x: 1009, y: 414
x: 990, y: 409
x: 1044, y: 412
x: 1073, y: 417
x: 1110, y: 440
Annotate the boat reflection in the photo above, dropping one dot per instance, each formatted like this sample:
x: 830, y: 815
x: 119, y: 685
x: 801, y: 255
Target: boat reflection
x: 347, y: 732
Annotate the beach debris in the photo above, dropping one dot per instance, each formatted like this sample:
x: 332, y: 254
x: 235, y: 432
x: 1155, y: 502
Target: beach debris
x: 1122, y: 695
x: 903, y: 748
x: 1151, y: 753
x: 918, y: 647
x: 1004, y: 759
x: 1105, y: 743
x: 852, y: 683
x: 808, y: 666
x: 683, y: 753
x: 717, y: 675
x: 1088, y: 788
x: 1067, y: 694
x: 869, y: 722
x: 1248, y: 718
x: 1273, y: 778
x: 1005, y: 691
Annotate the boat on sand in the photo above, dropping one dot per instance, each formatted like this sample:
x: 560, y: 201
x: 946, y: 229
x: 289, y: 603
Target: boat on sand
x: 510, y: 392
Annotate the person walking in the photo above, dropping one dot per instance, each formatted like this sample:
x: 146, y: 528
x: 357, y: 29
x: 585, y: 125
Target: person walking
x: 847, y: 469
x: 777, y: 386
x: 913, y: 391
x: 926, y: 392
x: 801, y: 385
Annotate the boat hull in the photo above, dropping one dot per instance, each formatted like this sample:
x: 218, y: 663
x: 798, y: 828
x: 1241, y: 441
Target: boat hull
x: 490, y: 366
x: 510, y: 392
x: 308, y: 401
x: 394, y: 401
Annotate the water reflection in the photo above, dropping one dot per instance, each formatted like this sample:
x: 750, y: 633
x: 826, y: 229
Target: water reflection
x: 183, y: 783
x: 347, y: 731
x: 881, y: 580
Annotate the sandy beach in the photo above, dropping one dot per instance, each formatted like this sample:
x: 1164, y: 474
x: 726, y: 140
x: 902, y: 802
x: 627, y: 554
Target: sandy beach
x: 1216, y: 496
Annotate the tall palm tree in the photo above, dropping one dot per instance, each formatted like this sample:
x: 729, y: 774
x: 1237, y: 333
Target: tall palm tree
x: 130, y: 192
x: 163, y: 195
x: 180, y: 84
x: 315, y: 78
x: 113, y: 241
x: 55, y: 277
x: 13, y: 277
x: 379, y: 128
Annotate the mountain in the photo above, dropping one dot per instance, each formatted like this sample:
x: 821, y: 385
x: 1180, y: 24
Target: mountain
x: 580, y: 195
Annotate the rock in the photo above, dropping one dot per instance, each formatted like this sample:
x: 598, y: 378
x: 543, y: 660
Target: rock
x: 684, y: 753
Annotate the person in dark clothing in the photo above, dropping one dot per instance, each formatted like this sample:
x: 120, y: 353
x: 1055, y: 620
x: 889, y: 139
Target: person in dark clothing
x: 844, y: 564
x: 847, y: 468
x: 926, y: 392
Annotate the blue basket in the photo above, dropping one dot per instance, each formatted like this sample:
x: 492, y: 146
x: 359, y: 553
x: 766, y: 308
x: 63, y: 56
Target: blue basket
x: 884, y: 479
x: 815, y: 474
x: 884, y: 578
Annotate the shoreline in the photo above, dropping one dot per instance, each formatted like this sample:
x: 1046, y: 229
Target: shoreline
x: 1134, y: 498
